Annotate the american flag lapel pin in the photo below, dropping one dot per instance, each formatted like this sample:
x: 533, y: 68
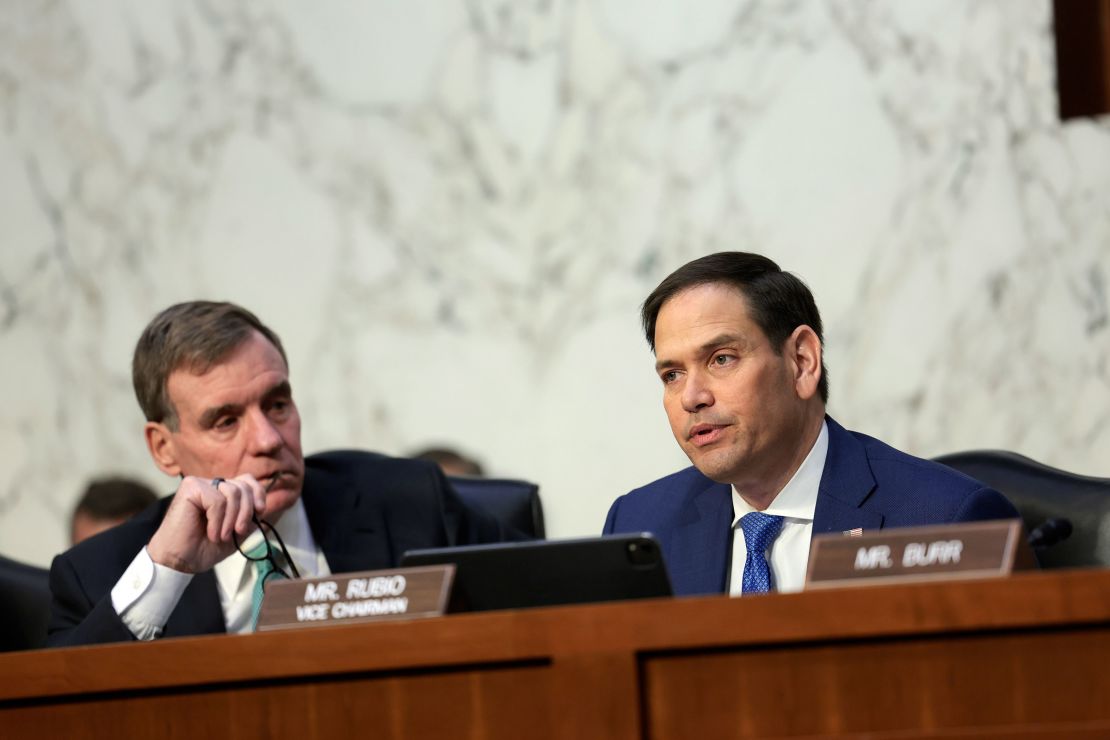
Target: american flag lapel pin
x: 857, y: 532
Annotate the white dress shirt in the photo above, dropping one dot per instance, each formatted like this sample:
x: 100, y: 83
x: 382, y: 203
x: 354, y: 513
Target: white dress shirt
x: 795, y: 503
x: 147, y: 593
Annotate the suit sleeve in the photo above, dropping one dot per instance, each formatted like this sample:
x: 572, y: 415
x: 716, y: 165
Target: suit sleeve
x: 74, y: 618
x: 985, y: 504
x: 611, y: 518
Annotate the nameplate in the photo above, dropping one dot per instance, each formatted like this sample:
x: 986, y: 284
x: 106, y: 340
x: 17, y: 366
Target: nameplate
x: 369, y: 596
x: 966, y: 550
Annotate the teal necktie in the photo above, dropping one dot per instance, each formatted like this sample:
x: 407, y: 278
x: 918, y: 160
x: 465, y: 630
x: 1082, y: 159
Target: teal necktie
x: 264, y: 568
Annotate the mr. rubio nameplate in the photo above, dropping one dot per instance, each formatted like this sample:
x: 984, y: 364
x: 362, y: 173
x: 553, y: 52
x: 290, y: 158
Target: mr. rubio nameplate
x: 966, y: 550
x: 400, y: 593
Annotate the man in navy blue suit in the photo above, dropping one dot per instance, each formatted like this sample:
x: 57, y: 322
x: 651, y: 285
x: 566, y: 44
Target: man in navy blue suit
x: 738, y: 347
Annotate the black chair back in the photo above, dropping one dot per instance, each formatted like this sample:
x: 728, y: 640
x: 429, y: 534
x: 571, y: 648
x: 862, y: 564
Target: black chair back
x: 1040, y: 493
x: 515, y: 503
x: 24, y: 605
x: 512, y: 502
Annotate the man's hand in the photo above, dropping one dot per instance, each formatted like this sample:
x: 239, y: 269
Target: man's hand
x: 196, y: 532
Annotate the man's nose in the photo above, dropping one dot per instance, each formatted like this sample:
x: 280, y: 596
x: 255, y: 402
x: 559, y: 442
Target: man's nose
x: 696, y: 394
x: 265, y: 437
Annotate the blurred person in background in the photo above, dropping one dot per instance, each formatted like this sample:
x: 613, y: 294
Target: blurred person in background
x: 105, y: 503
x: 450, y: 461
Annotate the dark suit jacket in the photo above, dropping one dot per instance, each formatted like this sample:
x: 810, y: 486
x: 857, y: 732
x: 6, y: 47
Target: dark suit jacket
x: 865, y: 484
x: 365, y: 511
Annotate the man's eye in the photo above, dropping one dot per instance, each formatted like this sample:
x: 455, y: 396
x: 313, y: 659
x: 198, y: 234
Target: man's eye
x: 721, y: 359
x: 225, y: 422
x: 669, y: 376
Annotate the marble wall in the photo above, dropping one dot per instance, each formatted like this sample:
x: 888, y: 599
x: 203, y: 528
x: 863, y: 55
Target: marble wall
x: 450, y: 211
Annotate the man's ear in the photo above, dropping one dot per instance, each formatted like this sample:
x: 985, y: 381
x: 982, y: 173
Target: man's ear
x: 159, y: 440
x: 804, y: 350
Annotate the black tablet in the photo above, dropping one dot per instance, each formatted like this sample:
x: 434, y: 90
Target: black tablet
x: 517, y: 575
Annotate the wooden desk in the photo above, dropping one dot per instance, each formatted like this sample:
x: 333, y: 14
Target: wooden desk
x: 1024, y: 657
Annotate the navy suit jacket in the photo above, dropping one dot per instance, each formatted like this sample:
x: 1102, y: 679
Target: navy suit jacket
x: 865, y: 484
x: 365, y: 510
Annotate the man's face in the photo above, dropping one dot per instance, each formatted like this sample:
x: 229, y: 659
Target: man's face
x: 238, y: 418
x: 735, y: 405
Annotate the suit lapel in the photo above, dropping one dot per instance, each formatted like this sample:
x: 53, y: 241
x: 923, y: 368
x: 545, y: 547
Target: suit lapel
x: 698, y: 552
x: 846, y: 485
x: 349, y: 531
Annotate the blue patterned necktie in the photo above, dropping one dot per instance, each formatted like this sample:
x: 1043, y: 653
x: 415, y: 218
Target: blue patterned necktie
x: 265, y: 570
x: 760, y: 530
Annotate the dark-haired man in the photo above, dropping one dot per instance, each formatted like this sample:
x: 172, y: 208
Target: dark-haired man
x: 105, y: 503
x: 738, y: 347
x: 213, y: 382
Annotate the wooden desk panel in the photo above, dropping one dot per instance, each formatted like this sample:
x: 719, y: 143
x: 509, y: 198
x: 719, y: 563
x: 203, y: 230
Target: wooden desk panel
x: 486, y: 702
x: 978, y: 683
x: 1026, y: 656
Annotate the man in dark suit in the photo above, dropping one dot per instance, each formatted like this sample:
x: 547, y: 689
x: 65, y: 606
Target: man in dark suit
x: 213, y: 382
x: 738, y: 346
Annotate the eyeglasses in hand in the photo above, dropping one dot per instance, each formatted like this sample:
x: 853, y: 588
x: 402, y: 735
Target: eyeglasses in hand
x: 267, y: 529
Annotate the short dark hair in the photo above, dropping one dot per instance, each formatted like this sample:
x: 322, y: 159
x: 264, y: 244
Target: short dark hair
x: 453, y: 458
x: 114, y: 498
x: 779, y: 301
x: 194, y: 335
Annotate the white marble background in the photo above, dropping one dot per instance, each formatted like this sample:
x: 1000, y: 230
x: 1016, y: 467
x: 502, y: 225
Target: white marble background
x: 450, y: 211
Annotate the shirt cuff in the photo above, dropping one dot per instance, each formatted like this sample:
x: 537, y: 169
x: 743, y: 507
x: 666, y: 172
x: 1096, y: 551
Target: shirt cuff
x: 146, y: 594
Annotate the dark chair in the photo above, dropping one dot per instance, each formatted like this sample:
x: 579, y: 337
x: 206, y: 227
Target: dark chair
x: 1041, y: 493
x: 24, y: 605
x: 512, y: 502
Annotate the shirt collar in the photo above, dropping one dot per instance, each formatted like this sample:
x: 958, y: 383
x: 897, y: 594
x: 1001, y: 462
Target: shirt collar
x: 798, y: 498
x: 234, y: 571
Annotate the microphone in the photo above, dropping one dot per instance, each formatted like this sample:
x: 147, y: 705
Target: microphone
x: 1049, y: 533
